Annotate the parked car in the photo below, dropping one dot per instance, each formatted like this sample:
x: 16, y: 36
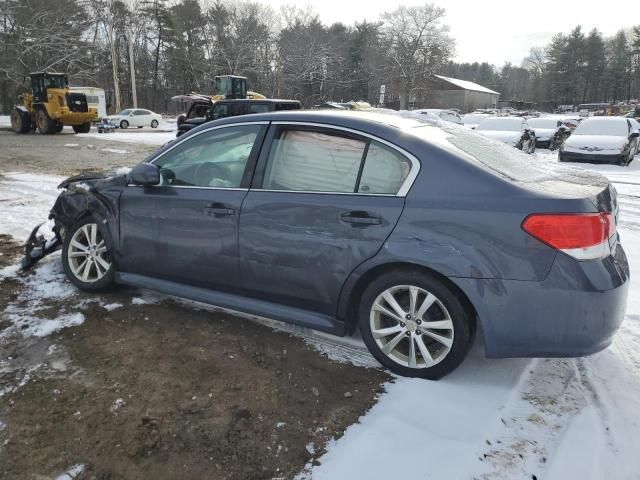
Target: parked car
x: 338, y: 220
x: 550, y: 132
x: 602, y: 140
x: 472, y: 120
x: 514, y: 131
x: 135, y: 117
x: 233, y: 108
x: 446, y: 115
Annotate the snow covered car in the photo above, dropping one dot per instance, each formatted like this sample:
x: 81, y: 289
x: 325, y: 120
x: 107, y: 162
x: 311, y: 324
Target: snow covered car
x: 514, y: 131
x: 550, y: 132
x: 446, y: 115
x: 602, y: 140
x: 472, y: 120
x: 344, y: 220
x: 136, y: 117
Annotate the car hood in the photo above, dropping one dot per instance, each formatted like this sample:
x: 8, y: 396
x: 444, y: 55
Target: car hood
x: 506, y: 137
x: 595, y: 144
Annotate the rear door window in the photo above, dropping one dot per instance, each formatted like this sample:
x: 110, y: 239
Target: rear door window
x: 314, y: 161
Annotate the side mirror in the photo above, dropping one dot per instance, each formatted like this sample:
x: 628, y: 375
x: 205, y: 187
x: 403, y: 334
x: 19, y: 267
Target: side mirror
x: 144, y: 175
x: 635, y: 134
x: 131, y: 114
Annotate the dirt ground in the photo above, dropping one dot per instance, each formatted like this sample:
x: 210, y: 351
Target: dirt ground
x: 158, y: 390
x: 167, y: 391
x: 66, y: 153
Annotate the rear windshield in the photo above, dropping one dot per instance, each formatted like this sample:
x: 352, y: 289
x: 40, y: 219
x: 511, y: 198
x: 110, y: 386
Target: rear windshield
x: 543, y: 122
x: 501, y: 124
x: 602, y: 127
x: 506, y: 161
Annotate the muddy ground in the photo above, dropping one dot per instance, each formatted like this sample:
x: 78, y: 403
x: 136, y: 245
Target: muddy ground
x: 158, y: 390
x: 66, y: 153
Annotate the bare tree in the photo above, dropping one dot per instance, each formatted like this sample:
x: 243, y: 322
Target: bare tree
x: 417, y: 44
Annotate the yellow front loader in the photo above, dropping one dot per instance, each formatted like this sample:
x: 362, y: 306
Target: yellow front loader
x: 50, y: 105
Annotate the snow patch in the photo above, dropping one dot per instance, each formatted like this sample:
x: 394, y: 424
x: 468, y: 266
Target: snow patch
x: 112, y: 306
x: 73, y: 472
x: 114, y: 150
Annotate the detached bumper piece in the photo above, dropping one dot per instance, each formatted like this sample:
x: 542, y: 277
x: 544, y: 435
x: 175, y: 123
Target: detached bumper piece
x: 38, y: 247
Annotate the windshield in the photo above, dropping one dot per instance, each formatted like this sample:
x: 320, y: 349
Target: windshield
x: 606, y: 127
x: 126, y: 112
x: 543, y: 122
x: 55, y: 81
x: 501, y: 124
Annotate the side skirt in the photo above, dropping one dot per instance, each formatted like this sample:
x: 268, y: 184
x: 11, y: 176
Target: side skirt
x: 296, y: 316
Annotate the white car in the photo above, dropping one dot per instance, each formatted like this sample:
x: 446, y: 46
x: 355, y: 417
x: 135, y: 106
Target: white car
x: 446, y: 115
x: 136, y: 117
x: 472, y: 120
x: 514, y: 131
x: 603, y: 140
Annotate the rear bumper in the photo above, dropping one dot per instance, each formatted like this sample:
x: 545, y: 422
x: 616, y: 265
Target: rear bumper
x: 591, y: 158
x: 574, y: 312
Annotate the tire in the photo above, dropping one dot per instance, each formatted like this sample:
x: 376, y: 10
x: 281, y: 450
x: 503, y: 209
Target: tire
x: 154, y: 123
x: 20, y: 121
x: 140, y: 126
x: 44, y: 122
x: 455, y: 325
x: 124, y: 124
x: 59, y: 127
x: 99, y: 275
x: 82, y: 128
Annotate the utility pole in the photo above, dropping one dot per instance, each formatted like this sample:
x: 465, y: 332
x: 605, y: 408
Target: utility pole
x: 114, y: 58
x: 132, y: 69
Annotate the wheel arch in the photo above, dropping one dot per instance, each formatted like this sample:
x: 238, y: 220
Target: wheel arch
x: 357, y: 283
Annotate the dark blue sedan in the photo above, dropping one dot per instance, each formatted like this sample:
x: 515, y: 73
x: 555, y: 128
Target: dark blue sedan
x: 412, y: 233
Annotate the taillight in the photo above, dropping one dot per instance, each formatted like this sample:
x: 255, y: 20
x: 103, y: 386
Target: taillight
x: 584, y: 236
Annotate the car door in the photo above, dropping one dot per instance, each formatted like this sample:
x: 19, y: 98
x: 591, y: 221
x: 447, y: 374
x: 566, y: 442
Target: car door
x: 186, y: 228
x: 323, y: 201
x: 140, y: 118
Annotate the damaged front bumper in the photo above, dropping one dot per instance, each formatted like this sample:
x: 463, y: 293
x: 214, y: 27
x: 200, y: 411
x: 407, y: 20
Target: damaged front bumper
x: 38, y: 247
x: 81, y: 195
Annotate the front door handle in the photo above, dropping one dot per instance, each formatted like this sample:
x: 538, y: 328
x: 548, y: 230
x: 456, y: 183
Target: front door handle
x: 218, y: 210
x: 360, y: 218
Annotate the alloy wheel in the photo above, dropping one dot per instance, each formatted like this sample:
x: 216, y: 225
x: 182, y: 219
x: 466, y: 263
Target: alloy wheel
x: 411, y: 326
x: 87, y: 254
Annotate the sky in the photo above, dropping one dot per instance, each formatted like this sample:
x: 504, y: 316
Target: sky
x: 495, y: 31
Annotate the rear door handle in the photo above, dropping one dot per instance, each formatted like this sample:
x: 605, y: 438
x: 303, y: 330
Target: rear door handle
x: 361, y: 218
x: 218, y: 210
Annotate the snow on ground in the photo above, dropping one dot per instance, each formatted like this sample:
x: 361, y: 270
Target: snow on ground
x: 492, y: 419
x: 5, y: 121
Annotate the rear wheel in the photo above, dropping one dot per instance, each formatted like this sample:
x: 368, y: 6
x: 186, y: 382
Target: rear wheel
x: 415, y: 325
x: 44, y: 122
x: 124, y: 124
x: 85, y: 257
x: 83, y: 128
x: 154, y: 123
x: 59, y: 127
x: 20, y: 121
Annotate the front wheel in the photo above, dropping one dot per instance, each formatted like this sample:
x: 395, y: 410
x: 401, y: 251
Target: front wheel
x: 124, y: 124
x: 44, y: 122
x: 415, y: 324
x: 85, y: 257
x: 154, y: 123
